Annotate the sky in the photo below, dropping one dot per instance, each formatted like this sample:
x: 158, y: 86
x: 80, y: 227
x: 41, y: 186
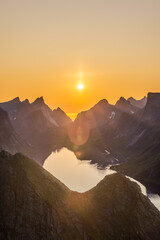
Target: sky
x: 47, y: 47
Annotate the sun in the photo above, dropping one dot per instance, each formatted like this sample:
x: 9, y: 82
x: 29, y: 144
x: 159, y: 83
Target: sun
x: 80, y: 86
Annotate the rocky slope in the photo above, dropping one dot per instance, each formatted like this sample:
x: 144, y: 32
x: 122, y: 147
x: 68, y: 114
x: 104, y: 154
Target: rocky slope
x: 35, y: 205
x: 138, y: 103
x: 132, y: 138
x: 96, y: 116
x: 38, y: 128
x: 18, y: 111
x: 152, y: 108
x: 9, y: 139
x: 126, y: 106
x: 143, y: 149
x: 60, y: 116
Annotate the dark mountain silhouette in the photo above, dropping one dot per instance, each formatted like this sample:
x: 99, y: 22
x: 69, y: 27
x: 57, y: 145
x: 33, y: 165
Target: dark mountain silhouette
x: 18, y: 111
x: 125, y: 106
x: 133, y: 139
x: 152, y: 108
x: 97, y: 115
x: 143, y: 148
x: 39, y: 104
x: 13, y: 107
x: 36, y: 127
x: 60, y: 117
x: 105, y: 134
x: 103, y: 127
x: 138, y: 103
x: 35, y: 205
x: 9, y: 140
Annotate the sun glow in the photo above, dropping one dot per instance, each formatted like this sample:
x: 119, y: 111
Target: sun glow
x: 80, y: 86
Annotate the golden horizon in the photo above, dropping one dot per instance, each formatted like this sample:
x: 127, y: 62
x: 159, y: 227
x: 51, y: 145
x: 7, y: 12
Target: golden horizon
x: 111, y: 50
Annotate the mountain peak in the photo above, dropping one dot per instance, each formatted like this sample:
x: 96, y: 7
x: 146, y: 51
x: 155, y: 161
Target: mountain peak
x: 39, y: 100
x: 16, y: 99
x: 59, y: 109
x: 121, y: 102
x: 60, y: 117
x: 131, y: 99
x: 126, y: 106
x: 102, y: 103
x: 138, y: 103
x: 26, y: 101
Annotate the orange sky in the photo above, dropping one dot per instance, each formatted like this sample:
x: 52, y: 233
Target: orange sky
x: 48, y: 47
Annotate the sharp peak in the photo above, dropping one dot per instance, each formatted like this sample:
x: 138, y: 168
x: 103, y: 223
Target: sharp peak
x: 143, y: 97
x: 58, y: 109
x: 122, y: 102
x: 16, y: 99
x: 39, y: 100
x: 26, y: 101
x: 102, y: 102
x: 131, y: 98
x: 122, y: 99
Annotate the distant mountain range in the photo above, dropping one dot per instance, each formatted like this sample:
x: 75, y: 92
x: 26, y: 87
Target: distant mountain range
x: 126, y: 133
x: 35, y: 128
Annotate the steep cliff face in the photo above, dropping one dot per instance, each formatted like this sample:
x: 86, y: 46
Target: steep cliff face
x: 9, y: 139
x: 143, y: 146
x: 35, y: 205
x: 152, y: 108
x: 29, y: 128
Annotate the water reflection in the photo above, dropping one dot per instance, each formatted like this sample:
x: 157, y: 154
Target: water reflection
x: 77, y: 175
x: 80, y: 175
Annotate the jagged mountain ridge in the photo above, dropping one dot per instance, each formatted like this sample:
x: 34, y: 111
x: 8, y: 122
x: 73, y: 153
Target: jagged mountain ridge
x: 130, y: 138
x: 35, y: 127
x: 126, y: 106
x: 138, y: 103
x: 19, y: 110
x: 60, y: 116
x: 152, y: 108
x: 144, y: 147
x: 126, y: 136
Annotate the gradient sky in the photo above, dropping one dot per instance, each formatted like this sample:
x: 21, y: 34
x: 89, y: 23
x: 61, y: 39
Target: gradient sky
x: 48, y: 46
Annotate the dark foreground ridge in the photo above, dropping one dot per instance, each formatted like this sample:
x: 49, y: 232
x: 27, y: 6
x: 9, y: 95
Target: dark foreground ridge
x: 35, y: 205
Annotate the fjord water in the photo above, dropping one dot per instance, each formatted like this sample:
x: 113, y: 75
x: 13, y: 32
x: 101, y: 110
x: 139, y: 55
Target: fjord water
x: 80, y: 175
x: 77, y: 175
